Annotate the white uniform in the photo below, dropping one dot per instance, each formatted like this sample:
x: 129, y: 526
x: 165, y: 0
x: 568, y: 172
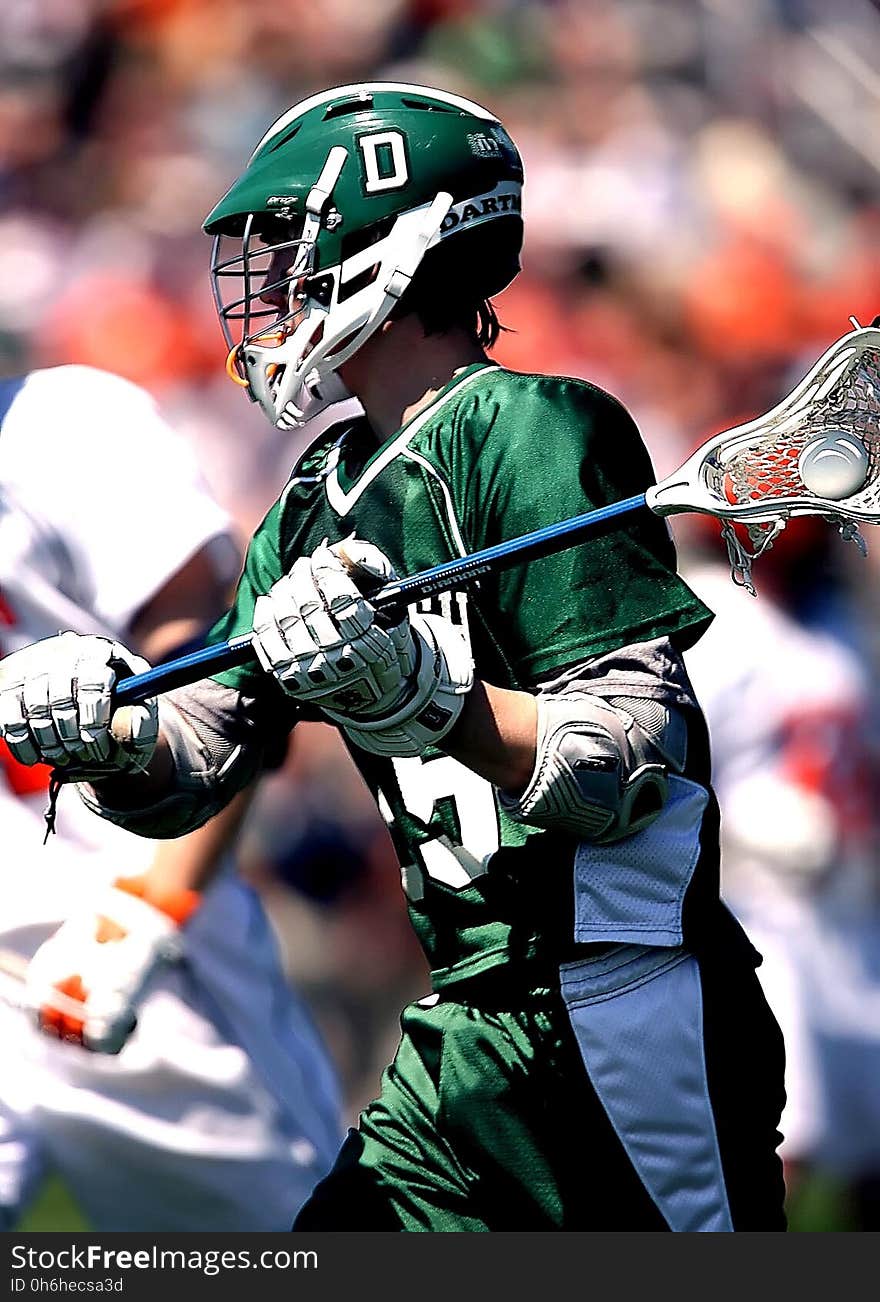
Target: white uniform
x: 222, y: 1110
x: 787, y: 709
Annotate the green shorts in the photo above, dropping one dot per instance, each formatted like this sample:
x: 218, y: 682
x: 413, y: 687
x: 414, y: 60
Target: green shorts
x: 487, y: 1120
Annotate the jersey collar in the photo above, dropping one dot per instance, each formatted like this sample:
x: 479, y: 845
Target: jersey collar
x: 342, y: 499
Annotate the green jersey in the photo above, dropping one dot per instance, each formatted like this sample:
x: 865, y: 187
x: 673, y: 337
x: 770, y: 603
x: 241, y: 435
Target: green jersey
x: 496, y: 454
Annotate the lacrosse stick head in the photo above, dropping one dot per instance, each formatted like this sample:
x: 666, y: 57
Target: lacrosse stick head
x: 817, y: 452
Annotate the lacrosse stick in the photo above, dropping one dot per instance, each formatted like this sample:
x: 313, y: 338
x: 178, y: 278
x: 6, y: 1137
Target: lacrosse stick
x: 816, y: 453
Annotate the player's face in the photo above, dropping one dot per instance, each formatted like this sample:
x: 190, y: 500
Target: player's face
x: 276, y: 286
x: 282, y: 288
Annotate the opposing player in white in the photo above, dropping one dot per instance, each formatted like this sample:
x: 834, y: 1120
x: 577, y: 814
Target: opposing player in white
x: 786, y: 707
x: 203, y: 1098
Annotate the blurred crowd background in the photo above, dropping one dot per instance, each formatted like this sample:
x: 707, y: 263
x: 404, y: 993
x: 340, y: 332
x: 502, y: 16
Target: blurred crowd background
x: 702, y: 220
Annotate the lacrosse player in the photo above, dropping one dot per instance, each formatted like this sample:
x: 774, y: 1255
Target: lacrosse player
x: 596, y: 1052
x: 219, y: 1109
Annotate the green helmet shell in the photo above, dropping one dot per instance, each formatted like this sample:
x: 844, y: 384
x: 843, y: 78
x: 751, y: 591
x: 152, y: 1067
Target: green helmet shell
x: 346, y: 198
x: 448, y: 143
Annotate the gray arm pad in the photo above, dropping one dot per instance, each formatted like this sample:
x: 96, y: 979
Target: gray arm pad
x: 600, y: 767
x: 214, y: 757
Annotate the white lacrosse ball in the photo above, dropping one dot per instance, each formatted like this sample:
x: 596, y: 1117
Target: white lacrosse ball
x: 834, y: 466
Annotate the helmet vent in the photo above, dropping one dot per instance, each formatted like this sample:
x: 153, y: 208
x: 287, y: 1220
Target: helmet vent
x: 359, y: 282
x: 285, y: 138
x: 351, y: 104
x: 362, y: 239
x: 428, y: 108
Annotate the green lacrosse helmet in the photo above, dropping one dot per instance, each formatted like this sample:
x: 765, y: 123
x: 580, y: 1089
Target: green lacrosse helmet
x: 346, y: 197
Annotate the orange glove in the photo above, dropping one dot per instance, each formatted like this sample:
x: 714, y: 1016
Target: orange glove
x: 103, y: 959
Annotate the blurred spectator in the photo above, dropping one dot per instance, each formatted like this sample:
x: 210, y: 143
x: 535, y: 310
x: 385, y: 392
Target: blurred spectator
x: 790, y: 718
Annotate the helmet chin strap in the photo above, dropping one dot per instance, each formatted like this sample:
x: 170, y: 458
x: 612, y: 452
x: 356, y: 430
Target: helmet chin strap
x: 319, y: 196
x: 332, y: 392
x: 427, y: 235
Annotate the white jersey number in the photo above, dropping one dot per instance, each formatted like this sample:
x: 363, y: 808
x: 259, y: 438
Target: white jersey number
x: 443, y: 792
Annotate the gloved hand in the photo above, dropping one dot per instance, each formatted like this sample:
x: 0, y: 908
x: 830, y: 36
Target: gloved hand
x: 55, y: 707
x: 102, y: 958
x: 394, y: 691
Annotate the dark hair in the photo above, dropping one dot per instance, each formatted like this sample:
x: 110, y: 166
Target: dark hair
x: 438, y: 317
x: 454, y: 284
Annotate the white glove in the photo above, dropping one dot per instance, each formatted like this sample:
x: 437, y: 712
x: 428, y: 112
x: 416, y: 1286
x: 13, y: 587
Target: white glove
x: 395, y: 691
x: 55, y: 707
x: 102, y: 958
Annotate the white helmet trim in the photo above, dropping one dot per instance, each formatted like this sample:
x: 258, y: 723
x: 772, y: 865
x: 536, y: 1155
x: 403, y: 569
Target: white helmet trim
x: 366, y: 88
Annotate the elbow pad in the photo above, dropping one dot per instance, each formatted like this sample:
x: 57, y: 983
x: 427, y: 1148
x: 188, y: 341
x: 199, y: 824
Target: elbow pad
x: 601, y: 766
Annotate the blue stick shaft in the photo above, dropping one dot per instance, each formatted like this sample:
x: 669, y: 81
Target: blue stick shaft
x: 402, y: 592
